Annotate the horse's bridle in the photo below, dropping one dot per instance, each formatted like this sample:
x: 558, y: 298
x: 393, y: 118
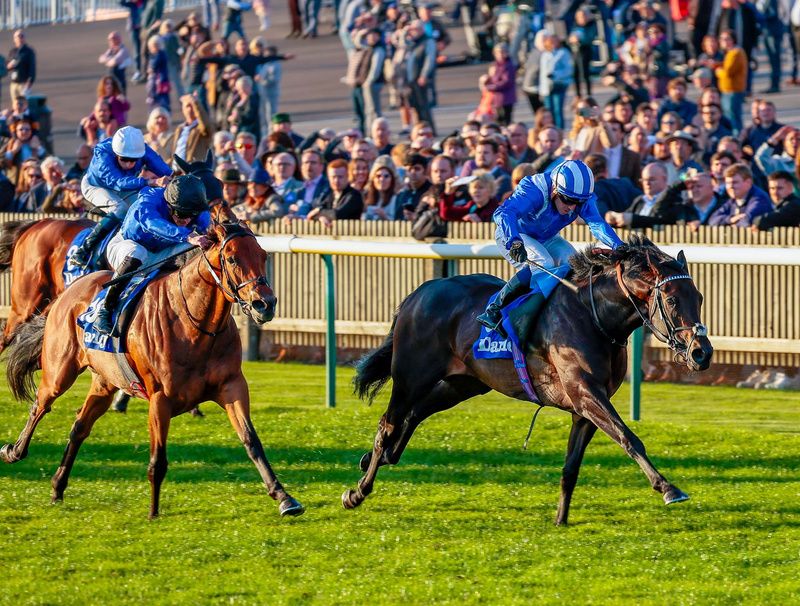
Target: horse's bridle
x: 670, y: 336
x: 232, y: 289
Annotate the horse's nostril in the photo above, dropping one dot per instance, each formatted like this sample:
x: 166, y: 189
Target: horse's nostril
x: 698, y: 355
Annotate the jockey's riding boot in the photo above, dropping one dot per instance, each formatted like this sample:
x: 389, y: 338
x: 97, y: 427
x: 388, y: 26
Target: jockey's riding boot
x: 104, y: 321
x: 83, y: 255
x: 491, y: 318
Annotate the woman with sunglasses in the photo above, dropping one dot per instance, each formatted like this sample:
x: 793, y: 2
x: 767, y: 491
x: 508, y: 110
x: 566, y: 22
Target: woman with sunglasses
x: 113, y: 180
x: 528, y: 226
x: 159, y: 223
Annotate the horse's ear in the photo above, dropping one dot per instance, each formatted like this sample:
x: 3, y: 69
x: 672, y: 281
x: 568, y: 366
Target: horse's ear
x: 182, y: 164
x: 681, y: 258
x: 210, y: 159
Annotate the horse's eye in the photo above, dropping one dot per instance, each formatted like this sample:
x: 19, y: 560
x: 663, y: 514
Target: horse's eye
x: 231, y: 260
x: 672, y: 301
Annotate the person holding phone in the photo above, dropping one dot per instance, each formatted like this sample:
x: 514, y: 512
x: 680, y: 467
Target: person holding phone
x: 528, y: 226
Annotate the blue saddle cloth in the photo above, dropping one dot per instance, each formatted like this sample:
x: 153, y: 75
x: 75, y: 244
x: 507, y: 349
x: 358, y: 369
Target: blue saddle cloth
x: 72, y: 272
x: 93, y: 339
x: 491, y: 345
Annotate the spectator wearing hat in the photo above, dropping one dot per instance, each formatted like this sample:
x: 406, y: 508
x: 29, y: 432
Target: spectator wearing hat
x: 732, y: 78
x: 282, y: 122
x: 343, y: 202
x: 681, y: 147
x: 745, y: 201
x: 232, y: 190
x: 192, y: 139
x: 787, y: 205
x: 261, y: 203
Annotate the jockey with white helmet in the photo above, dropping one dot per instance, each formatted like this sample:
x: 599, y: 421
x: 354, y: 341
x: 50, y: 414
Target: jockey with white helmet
x: 112, y: 181
x: 528, y: 224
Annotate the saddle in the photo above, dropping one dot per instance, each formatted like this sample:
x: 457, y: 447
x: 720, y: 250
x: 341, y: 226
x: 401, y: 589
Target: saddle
x: 122, y: 316
x: 519, y: 321
x: 71, y: 271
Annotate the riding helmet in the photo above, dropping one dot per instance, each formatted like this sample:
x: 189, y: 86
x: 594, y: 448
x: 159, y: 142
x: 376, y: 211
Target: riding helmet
x: 186, y: 194
x: 574, y: 180
x: 128, y: 142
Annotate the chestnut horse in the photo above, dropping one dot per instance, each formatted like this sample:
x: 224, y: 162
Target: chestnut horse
x: 37, y: 250
x: 182, y: 343
x: 576, y: 354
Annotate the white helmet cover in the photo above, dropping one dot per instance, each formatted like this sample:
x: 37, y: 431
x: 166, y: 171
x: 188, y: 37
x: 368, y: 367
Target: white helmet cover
x: 128, y: 142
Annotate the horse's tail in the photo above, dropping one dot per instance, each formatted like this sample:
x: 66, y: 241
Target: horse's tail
x: 25, y: 358
x: 10, y: 231
x: 374, y: 369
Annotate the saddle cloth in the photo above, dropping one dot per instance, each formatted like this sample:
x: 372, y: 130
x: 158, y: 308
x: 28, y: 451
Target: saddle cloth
x: 72, y: 272
x: 93, y: 339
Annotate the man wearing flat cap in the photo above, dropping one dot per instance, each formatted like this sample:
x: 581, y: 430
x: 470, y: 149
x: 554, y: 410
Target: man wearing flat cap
x: 681, y: 147
x: 282, y: 122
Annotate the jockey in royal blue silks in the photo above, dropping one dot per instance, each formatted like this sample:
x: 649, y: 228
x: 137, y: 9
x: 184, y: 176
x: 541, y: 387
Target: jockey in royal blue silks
x: 112, y: 182
x: 528, y: 224
x: 159, y: 223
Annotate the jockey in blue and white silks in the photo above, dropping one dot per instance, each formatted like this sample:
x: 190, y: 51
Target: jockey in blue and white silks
x: 158, y: 224
x: 528, y: 226
x: 112, y: 182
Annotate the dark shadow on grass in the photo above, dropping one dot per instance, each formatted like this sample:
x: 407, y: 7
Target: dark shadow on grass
x: 190, y: 463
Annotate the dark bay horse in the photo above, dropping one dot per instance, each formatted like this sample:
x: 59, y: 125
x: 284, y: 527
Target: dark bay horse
x: 36, y: 251
x: 576, y: 356
x: 182, y: 343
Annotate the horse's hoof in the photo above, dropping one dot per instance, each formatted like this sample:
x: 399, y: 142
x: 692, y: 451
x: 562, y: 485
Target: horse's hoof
x: 290, y: 507
x: 675, y: 495
x: 364, y: 462
x: 6, y: 454
x: 56, y: 499
x: 350, y: 500
x: 197, y: 413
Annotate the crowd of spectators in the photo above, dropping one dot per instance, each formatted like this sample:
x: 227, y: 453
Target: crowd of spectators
x: 672, y: 145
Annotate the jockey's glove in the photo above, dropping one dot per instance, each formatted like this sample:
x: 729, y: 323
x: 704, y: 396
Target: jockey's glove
x: 518, y: 252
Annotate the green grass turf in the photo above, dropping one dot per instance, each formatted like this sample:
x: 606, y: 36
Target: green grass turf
x: 465, y: 518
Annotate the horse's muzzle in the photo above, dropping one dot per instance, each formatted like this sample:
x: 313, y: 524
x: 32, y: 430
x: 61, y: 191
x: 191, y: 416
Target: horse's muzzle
x: 263, y: 310
x: 700, y: 354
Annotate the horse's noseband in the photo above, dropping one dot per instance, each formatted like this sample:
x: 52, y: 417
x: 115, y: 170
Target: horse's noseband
x: 670, y: 336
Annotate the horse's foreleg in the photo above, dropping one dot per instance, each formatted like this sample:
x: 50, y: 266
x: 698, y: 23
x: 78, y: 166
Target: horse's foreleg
x: 95, y: 406
x: 580, y: 435
x: 234, y: 396
x: 601, y: 412
x: 159, y: 417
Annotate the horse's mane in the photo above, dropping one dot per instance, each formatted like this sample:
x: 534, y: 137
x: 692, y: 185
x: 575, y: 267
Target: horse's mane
x: 592, y: 260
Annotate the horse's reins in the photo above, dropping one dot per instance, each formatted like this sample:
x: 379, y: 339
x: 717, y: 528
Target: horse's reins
x: 233, y: 289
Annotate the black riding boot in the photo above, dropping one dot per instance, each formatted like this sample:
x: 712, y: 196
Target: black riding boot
x: 515, y: 287
x: 103, y: 323
x: 83, y: 255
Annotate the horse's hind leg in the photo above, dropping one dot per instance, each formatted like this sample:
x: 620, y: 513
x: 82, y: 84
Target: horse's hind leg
x: 160, y: 415
x: 49, y: 390
x: 398, y: 423
x: 580, y: 435
x: 95, y: 406
x: 234, y: 396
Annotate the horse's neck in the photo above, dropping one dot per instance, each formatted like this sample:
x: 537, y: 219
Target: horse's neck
x: 200, y: 302
x: 616, y: 314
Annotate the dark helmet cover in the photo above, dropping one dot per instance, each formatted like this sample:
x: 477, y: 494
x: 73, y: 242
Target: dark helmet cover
x: 186, y: 194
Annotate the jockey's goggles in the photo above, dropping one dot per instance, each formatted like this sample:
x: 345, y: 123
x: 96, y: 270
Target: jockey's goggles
x: 184, y: 214
x: 128, y: 160
x: 568, y: 200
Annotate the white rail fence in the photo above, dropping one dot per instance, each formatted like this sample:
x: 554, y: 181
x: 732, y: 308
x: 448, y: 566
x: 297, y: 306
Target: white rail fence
x: 23, y: 13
